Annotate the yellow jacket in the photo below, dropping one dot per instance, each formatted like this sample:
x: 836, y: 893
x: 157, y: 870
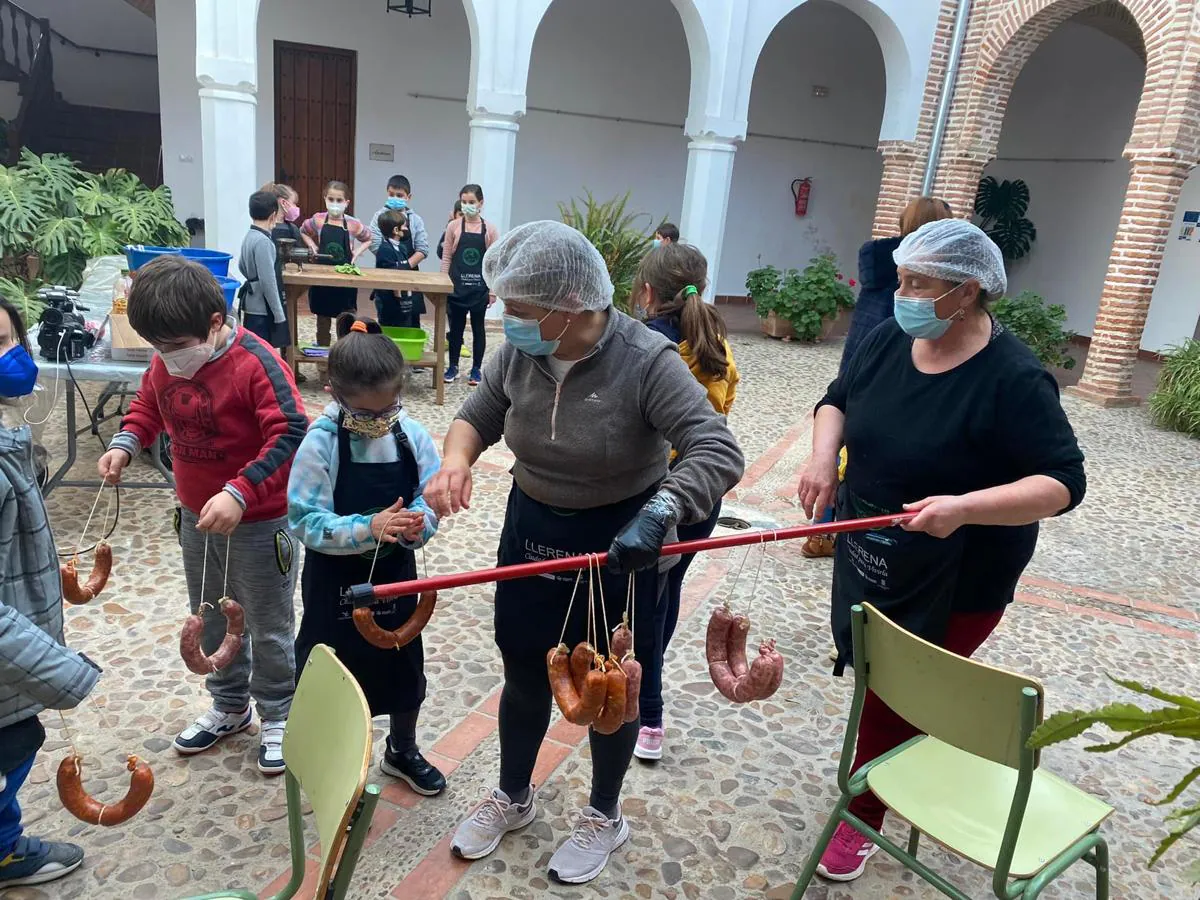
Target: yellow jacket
x: 721, y: 391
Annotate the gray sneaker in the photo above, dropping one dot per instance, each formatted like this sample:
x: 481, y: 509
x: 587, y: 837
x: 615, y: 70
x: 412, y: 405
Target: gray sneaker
x: 480, y: 834
x: 585, y: 853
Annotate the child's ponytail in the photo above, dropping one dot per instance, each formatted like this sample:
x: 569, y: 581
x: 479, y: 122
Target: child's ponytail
x: 363, y: 358
x: 678, y: 275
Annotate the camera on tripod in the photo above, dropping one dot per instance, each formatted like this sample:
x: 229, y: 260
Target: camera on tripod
x: 62, y: 333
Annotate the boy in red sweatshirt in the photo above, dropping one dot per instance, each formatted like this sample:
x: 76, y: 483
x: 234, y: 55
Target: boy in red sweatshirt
x: 235, y: 419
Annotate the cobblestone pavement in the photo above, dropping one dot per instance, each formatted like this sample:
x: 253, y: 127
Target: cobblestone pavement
x: 738, y: 800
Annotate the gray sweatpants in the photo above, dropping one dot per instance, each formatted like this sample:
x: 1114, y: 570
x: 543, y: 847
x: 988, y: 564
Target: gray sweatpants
x: 262, y: 578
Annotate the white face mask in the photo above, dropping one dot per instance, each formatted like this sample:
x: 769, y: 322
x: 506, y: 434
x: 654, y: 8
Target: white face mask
x: 187, y: 361
x: 335, y: 209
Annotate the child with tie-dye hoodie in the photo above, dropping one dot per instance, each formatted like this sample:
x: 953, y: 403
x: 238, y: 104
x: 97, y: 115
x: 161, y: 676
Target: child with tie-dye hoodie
x: 355, y: 501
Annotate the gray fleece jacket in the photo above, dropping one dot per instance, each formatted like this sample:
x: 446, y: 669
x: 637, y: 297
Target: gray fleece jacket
x: 604, y: 433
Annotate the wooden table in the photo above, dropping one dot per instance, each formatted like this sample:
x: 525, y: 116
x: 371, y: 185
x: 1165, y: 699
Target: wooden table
x: 434, y: 285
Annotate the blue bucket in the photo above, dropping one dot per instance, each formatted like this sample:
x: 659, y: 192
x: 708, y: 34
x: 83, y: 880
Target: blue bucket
x: 139, y: 256
x: 213, y: 260
x: 229, y: 287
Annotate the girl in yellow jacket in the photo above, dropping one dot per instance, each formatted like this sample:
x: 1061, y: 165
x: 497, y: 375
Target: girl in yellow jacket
x: 667, y: 290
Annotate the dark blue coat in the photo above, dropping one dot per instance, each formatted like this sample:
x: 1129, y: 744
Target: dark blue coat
x: 878, y: 283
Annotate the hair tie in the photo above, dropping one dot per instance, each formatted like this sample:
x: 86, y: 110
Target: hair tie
x: 689, y: 290
x: 360, y: 327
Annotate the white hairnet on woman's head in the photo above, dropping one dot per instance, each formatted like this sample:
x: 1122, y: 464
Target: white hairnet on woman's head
x: 954, y: 250
x: 548, y: 264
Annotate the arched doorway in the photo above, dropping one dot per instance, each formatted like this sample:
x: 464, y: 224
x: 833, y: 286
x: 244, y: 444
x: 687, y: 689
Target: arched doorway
x: 1066, y: 125
x: 607, y: 98
x: 816, y: 105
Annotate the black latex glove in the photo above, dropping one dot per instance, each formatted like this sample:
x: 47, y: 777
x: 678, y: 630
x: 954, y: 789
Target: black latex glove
x: 640, y: 542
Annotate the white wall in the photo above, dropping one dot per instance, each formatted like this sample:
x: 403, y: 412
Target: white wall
x: 818, y: 44
x: 1175, y: 308
x: 558, y: 156
x: 110, y: 81
x: 180, y: 102
x: 1074, y: 100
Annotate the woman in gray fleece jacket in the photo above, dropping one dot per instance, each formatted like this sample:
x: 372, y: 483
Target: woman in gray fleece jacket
x: 590, y: 402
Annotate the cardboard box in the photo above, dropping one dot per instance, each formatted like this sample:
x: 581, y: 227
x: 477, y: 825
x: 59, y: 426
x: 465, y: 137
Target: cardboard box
x: 127, y: 344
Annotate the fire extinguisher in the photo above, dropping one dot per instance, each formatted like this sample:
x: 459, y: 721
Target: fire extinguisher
x: 801, y: 188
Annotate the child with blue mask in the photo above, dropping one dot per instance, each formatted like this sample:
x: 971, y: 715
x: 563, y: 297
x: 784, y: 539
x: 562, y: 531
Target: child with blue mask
x: 37, y: 671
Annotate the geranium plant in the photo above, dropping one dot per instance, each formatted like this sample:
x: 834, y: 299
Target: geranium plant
x: 1039, y: 325
x: 809, y: 299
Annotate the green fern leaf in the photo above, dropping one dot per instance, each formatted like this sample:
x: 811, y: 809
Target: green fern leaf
x: 1181, y: 723
x: 1188, y: 819
x: 66, y: 269
x: 1122, y: 717
x: 23, y: 204
x: 1179, y: 788
x: 100, y: 238
x: 137, y: 223
x: 1156, y: 693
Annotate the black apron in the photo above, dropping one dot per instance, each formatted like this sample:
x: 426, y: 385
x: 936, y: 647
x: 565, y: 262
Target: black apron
x: 333, y: 301
x: 392, y: 680
x: 466, y: 268
x: 529, y: 612
x: 908, y: 576
x: 396, y: 308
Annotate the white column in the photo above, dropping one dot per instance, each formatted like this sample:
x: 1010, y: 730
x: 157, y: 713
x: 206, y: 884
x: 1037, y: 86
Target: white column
x: 227, y: 120
x: 491, y: 159
x: 706, y: 199
x: 227, y: 72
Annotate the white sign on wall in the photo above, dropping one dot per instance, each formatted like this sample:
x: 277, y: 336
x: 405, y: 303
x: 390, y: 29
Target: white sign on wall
x: 383, y: 152
x: 1188, y: 229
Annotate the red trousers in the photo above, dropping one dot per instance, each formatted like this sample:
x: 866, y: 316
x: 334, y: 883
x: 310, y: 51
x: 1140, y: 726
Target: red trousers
x: 881, y: 729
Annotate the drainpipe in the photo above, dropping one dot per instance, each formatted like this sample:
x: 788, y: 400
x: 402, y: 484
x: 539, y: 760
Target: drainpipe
x: 957, y: 40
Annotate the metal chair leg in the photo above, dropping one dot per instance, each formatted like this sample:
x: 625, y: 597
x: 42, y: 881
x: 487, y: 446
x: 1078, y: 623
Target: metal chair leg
x: 914, y: 838
x: 1101, y: 864
x: 810, y: 867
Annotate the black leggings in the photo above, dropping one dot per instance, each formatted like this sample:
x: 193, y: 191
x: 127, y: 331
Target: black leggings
x: 458, y: 324
x: 526, y: 702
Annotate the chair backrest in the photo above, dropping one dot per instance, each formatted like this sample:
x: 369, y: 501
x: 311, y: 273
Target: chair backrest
x: 972, y: 706
x: 327, y: 749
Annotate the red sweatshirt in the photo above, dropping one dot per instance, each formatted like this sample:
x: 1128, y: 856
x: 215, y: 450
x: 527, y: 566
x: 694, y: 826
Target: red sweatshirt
x: 234, y: 426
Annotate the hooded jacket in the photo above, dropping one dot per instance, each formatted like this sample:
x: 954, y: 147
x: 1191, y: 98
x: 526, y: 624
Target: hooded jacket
x: 878, y: 285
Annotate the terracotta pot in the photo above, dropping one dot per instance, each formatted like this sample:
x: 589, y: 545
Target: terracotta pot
x: 838, y: 325
x: 773, y: 326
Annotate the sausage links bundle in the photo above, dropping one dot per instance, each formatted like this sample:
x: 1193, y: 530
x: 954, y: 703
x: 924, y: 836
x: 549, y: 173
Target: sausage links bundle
x: 622, y: 649
x: 87, y: 809
x: 395, y: 638
x: 193, y: 628
x: 725, y: 648
x: 580, y: 701
x: 73, y: 591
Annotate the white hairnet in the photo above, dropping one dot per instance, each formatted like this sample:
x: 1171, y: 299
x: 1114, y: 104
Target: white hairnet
x: 954, y: 250
x: 548, y: 264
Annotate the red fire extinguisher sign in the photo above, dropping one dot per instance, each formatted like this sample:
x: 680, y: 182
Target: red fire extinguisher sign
x: 801, y: 188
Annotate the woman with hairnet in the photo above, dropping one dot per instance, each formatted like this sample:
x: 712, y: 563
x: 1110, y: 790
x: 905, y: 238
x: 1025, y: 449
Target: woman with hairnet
x: 946, y: 414
x: 590, y: 403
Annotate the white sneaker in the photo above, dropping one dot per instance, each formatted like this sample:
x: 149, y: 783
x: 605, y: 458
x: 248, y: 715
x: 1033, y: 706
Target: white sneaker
x: 585, y: 853
x: 270, y: 747
x: 481, y: 832
x: 211, y: 727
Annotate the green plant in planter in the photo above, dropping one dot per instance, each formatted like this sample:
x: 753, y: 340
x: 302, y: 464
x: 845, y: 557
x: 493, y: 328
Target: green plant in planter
x: 52, y: 210
x: 1175, y: 403
x: 1180, y: 719
x: 1039, y: 325
x: 615, y: 232
x: 762, y: 286
x: 810, y: 298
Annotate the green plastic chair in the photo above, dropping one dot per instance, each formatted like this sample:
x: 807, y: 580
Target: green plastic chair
x: 970, y: 782
x: 327, y: 750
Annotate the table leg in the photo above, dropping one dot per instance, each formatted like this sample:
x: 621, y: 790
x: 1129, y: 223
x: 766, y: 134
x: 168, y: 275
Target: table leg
x: 72, y: 449
x: 293, y: 294
x: 439, y: 348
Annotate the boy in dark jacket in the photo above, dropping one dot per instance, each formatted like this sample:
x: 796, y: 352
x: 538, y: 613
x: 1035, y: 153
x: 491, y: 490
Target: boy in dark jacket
x: 395, y: 308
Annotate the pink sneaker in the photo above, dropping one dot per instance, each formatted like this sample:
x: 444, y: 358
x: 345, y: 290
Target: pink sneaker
x: 846, y: 856
x: 649, y: 743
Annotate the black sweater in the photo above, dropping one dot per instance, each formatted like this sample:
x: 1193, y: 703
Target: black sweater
x: 992, y: 420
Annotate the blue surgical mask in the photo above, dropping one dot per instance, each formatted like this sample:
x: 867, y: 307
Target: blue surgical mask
x: 396, y: 203
x: 917, y: 316
x: 656, y: 243
x: 18, y: 373
x: 526, y: 335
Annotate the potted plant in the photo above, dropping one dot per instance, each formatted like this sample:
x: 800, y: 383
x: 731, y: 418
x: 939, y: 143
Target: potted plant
x: 762, y: 286
x: 1001, y: 208
x: 804, y: 305
x: 615, y: 233
x: 1175, y: 403
x: 1039, y: 325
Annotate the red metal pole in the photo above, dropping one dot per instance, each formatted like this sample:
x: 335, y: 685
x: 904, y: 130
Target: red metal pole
x: 575, y: 563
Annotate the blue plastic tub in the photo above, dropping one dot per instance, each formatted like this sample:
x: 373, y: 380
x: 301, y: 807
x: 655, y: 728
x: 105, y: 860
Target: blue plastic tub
x: 139, y: 256
x: 213, y: 260
x: 229, y: 287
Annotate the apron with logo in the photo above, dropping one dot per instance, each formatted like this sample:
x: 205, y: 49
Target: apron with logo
x: 466, y: 268
x: 333, y: 301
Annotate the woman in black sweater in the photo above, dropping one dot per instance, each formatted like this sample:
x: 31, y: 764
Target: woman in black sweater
x: 944, y: 413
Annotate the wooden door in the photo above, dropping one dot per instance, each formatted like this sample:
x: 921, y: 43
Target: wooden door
x: 315, y: 91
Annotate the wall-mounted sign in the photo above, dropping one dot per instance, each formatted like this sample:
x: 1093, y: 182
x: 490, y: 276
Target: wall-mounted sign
x: 1187, y: 230
x: 383, y: 152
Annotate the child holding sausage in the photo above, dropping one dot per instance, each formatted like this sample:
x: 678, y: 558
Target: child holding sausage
x: 355, y: 501
x: 235, y: 419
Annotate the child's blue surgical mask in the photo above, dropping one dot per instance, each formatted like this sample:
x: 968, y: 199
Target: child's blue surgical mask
x: 396, y: 203
x: 526, y: 335
x: 18, y: 373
